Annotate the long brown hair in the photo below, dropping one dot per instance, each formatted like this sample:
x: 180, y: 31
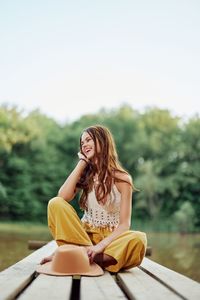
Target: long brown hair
x: 107, y: 163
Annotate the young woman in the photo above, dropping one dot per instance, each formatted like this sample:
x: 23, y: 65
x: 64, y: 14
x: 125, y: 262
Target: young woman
x: 106, y: 200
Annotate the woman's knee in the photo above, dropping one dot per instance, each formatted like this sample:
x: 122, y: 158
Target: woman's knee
x: 55, y: 202
x: 139, y: 245
x: 140, y: 240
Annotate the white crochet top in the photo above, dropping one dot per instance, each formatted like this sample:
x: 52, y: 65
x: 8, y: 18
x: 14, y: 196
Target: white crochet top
x: 99, y: 215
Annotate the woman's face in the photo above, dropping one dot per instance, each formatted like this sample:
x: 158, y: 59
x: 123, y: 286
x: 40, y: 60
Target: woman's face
x: 87, y: 145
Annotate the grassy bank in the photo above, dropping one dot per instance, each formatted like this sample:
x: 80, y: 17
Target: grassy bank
x: 161, y: 225
x: 34, y: 229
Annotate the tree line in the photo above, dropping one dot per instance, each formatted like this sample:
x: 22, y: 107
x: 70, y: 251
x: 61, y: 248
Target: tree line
x: 161, y: 152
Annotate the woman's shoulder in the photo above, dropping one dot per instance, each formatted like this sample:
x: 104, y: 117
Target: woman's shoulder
x: 123, y: 181
x: 122, y: 176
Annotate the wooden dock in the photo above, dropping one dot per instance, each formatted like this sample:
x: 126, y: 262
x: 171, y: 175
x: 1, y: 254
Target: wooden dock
x: 149, y: 281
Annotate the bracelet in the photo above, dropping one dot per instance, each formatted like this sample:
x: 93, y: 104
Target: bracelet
x: 84, y: 160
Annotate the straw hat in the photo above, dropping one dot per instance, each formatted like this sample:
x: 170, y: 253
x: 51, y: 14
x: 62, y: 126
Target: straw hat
x: 70, y: 260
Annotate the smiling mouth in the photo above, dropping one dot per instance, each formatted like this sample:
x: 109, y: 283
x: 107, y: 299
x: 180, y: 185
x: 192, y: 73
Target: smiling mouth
x: 87, y: 151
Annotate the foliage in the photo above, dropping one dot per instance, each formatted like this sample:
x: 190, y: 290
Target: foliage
x: 160, y: 151
x: 185, y: 217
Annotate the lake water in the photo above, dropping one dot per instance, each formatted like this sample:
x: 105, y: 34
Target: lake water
x: 178, y: 252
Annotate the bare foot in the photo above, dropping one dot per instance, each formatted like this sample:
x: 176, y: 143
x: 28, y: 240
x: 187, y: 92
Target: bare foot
x: 104, y: 260
x: 46, y: 259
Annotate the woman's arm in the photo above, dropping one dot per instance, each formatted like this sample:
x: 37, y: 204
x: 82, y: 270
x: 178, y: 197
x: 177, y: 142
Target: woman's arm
x: 68, y: 190
x: 125, y: 215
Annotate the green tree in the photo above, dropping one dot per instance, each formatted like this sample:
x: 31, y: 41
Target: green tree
x: 185, y: 217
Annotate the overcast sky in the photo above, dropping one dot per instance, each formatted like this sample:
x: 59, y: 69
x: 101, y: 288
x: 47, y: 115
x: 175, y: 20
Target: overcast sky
x: 69, y: 58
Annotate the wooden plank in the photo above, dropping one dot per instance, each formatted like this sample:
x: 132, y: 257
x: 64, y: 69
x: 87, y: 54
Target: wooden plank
x: 140, y: 286
x: 16, y: 277
x: 184, y: 286
x: 48, y: 288
x: 98, y: 288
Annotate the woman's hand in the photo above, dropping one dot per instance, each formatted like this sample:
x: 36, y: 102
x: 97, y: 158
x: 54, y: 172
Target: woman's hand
x: 93, y: 250
x: 82, y: 156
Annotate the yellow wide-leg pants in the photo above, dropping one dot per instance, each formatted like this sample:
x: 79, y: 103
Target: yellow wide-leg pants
x: 128, y: 249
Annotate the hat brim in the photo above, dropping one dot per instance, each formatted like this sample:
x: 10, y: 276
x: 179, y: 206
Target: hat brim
x: 95, y: 270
